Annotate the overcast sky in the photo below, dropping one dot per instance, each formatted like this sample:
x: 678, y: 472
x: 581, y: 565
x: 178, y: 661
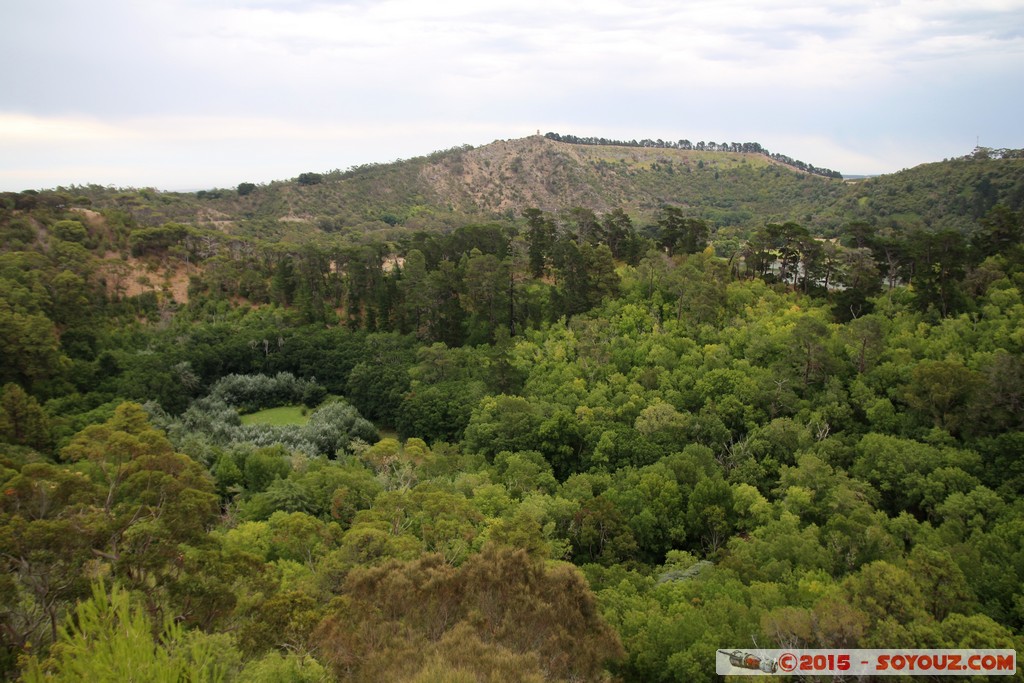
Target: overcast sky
x: 196, y: 94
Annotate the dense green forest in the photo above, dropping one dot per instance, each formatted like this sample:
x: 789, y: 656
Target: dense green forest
x: 560, y: 445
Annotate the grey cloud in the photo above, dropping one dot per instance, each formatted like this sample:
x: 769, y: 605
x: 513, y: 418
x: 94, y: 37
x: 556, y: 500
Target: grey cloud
x: 611, y: 67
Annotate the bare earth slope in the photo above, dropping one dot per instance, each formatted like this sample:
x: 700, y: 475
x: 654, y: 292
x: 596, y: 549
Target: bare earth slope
x: 511, y: 175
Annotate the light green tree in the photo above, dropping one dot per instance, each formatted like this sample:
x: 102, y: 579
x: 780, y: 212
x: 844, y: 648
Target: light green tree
x: 110, y: 639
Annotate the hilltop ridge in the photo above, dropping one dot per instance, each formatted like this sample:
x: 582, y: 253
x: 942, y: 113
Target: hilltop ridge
x: 549, y: 173
x: 495, y: 181
x: 736, y: 192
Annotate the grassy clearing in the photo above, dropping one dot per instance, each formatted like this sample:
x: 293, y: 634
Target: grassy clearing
x: 284, y: 415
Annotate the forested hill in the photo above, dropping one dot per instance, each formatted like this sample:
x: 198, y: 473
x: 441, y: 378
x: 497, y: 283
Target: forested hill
x: 495, y: 181
x: 734, y: 191
x: 951, y: 194
x: 338, y: 429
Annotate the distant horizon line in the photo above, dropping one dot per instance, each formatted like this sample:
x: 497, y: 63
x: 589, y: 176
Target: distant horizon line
x: 978, y: 152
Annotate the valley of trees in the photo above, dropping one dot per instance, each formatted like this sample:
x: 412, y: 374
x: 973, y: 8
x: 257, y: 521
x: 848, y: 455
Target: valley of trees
x: 563, y: 445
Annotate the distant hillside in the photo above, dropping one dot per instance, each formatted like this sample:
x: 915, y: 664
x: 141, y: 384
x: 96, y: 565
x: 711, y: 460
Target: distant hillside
x: 499, y: 181
x: 727, y: 188
x: 746, y: 147
x: 735, y: 191
x: 951, y: 194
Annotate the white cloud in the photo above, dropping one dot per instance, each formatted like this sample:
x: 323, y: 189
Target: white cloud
x: 22, y: 129
x: 212, y: 77
x: 194, y: 152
